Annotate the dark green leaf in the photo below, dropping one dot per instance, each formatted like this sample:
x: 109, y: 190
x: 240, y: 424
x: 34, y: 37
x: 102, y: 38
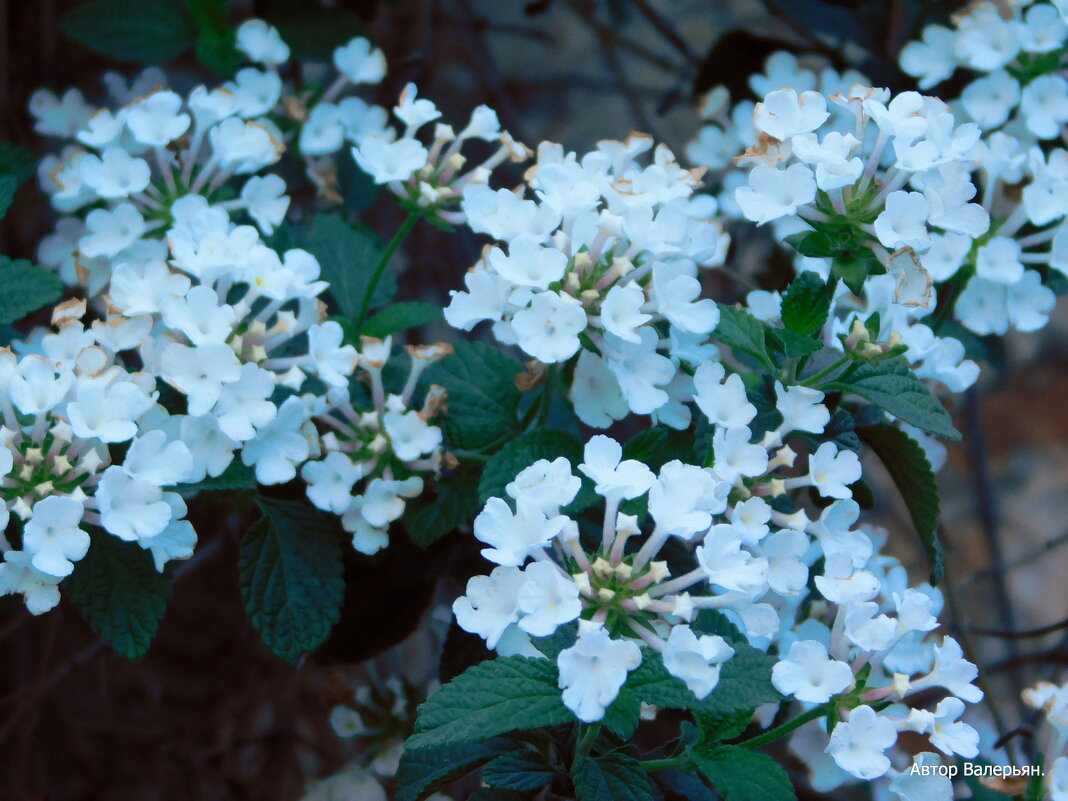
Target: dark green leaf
x: 907, y: 465
x: 495, y: 697
x: 723, y: 726
x: 16, y: 161
x: 312, y: 31
x: 805, y: 304
x: 683, y: 785
x: 741, y: 774
x: 793, y: 344
x: 27, y: 287
x: 216, y: 51
x: 291, y: 576
x: 8, y: 185
x: 523, y: 771
x: 236, y: 477
x: 814, y: 244
x: 482, y: 396
x: 742, y: 331
x: 498, y: 794
x: 564, y: 637
x: 424, y: 770
x: 132, y: 30
x: 611, y: 777
x: 429, y: 518
x: 348, y: 256
x: 893, y: 387
x: 120, y: 592
x: 400, y: 317
x: 521, y: 453
x: 623, y: 715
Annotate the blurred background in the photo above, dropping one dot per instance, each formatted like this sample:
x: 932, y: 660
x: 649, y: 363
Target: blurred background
x: 210, y: 713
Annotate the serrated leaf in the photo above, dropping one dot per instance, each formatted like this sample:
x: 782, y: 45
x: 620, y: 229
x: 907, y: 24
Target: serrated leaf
x: 424, y: 770
x: 482, y: 396
x: 610, y: 777
x: 684, y: 785
x: 521, y: 453
x: 118, y: 589
x: 523, y: 771
x: 742, y: 331
x: 893, y: 387
x: 722, y: 726
x: 806, y: 303
x: 347, y: 255
x: 495, y: 697
x: 291, y: 576
x: 744, y: 683
x: 908, y: 466
x: 792, y: 343
x: 400, y: 317
x: 237, y: 477
x: 428, y: 519
x: 131, y: 30
x: 741, y: 774
x: 27, y: 287
x: 623, y: 715
x: 564, y: 637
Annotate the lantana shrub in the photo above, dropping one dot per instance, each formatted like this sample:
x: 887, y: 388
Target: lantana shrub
x: 663, y: 490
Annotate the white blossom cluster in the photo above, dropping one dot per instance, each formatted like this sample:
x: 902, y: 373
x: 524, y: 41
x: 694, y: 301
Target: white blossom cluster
x: 751, y: 560
x: 599, y: 257
x: 1053, y: 703
x: 68, y: 405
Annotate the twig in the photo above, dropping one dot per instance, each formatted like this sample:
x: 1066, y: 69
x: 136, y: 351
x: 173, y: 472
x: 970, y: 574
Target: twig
x: 1021, y: 635
x: 667, y: 30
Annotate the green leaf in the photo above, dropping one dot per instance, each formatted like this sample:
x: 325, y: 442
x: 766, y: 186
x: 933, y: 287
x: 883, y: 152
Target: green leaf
x: 741, y: 774
x: 8, y: 186
x: 120, y: 592
x: 217, y: 51
x: 424, y: 770
x: 497, y: 794
x: 236, y: 477
x: 611, y: 777
x: 482, y: 396
x: 27, y: 287
x: 132, y: 30
x: 742, y: 331
x: 523, y: 771
x: 744, y: 684
x: 683, y: 785
x: 814, y: 244
x: 17, y: 161
x: 521, y: 453
x: 893, y: 387
x: 291, y: 577
x: 907, y: 465
x: 494, y: 697
x: 806, y: 303
x: 428, y: 519
x: 792, y: 343
x: 312, y: 31
x: 400, y: 317
x: 347, y: 256
x: 723, y: 726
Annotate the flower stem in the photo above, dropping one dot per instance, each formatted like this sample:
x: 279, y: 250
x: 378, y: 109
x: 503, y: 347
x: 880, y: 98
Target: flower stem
x: 780, y: 731
x: 383, y: 263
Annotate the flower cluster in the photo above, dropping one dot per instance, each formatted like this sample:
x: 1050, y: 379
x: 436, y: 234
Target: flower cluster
x: 805, y: 584
x: 601, y: 261
x: 1052, y: 701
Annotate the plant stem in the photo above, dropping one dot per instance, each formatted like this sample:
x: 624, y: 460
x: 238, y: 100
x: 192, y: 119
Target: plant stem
x: 815, y: 379
x: 650, y: 765
x: 588, y: 737
x: 383, y: 263
x: 779, y: 731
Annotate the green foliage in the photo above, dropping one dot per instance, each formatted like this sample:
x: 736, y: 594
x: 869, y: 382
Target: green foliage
x: 236, y: 477
x: 400, y: 317
x: 215, y: 45
x: 483, y: 399
x: 742, y: 331
x: 132, y: 30
x: 347, y: 255
x: 424, y: 770
x: 741, y: 774
x: 452, y: 501
x: 18, y: 162
x: 522, y: 771
x: 806, y: 303
x: 27, y: 287
x: 312, y: 30
x: 521, y: 453
x: 492, y: 698
x: 610, y: 777
x: 291, y: 576
x: 120, y: 592
x: 893, y: 387
x: 908, y: 467
x: 723, y: 726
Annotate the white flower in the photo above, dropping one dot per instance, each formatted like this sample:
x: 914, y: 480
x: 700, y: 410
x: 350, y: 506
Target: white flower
x: 809, y: 674
x: 107, y: 412
x: 333, y: 361
x: 157, y: 120
x: 991, y: 99
x: 388, y: 161
x: 115, y: 173
x: 696, y: 660
x: 549, y: 328
x: 53, y: 537
x: 36, y: 386
x: 330, y: 481
x: 18, y: 576
x: 613, y: 476
x: 383, y: 500
x: 131, y: 508
x: 999, y: 260
x: 200, y: 316
x: 953, y: 672
x: 266, y: 201
x: 1044, y: 105
x: 835, y: 165
x: 735, y: 456
x: 490, y: 604
x: 802, y: 408
x: 528, y: 263
x: 545, y: 486
x: 514, y: 537
x: 914, y: 784
x: 261, y: 42
x: 109, y: 232
x: 858, y: 744
x: 154, y: 459
x: 947, y: 734
x: 244, y: 405
x: 280, y: 445
x: 773, y: 193
x: 722, y: 397
x: 547, y: 599
x: 931, y: 60
x: 410, y: 435
x: 360, y: 62
x: 595, y: 392
x: 593, y: 669
x: 486, y: 298
x: 621, y: 312
x: 784, y: 114
x: 831, y: 471
x: 727, y: 564
x: 903, y: 223
x: 683, y: 499
x: 200, y: 373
